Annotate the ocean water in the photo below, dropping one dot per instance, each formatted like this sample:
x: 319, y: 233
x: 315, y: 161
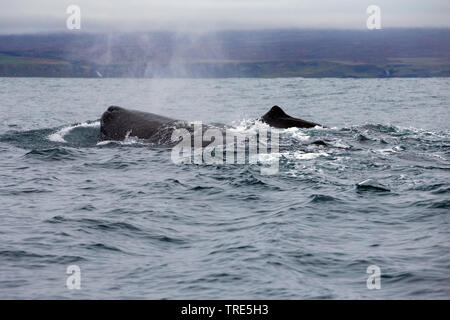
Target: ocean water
x: 141, y: 227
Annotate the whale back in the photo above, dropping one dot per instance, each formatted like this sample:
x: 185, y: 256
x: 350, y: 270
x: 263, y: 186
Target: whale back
x: 277, y: 118
x: 116, y: 123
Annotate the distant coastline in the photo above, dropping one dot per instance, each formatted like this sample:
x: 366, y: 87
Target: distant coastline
x: 260, y: 54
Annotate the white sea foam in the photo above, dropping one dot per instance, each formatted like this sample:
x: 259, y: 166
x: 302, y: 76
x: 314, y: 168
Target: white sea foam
x: 298, y: 134
x: 125, y: 142
x: 247, y: 126
x: 309, y: 155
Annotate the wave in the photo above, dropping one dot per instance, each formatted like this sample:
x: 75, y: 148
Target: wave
x: 85, y: 134
x: 371, y: 185
x: 31, y: 257
x: 54, y: 154
x: 382, y: 141
x: 59, y: 135
x: 319, y: 198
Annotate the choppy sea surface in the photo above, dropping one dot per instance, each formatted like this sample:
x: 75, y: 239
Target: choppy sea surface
x: 141, y: 227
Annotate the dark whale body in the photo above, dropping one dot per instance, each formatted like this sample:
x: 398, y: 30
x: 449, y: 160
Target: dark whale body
x: 117, y: 123
x: 277, y: 118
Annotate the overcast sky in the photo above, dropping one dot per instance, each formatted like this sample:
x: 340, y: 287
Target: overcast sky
x: 26, y: 16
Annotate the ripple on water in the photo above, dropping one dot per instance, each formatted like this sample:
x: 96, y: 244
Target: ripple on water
x: 35, y: 259
x: 319, y: 198
x: 53, y: 154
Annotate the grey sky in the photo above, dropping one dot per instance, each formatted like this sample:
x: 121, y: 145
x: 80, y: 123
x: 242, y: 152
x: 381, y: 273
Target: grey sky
x: 23, y: 16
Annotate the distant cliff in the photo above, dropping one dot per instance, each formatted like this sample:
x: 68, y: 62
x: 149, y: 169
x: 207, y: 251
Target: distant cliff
x: 282, y: 53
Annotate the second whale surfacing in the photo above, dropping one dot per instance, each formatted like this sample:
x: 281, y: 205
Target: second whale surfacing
x: 117, y: 123
x: 277, y: 118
